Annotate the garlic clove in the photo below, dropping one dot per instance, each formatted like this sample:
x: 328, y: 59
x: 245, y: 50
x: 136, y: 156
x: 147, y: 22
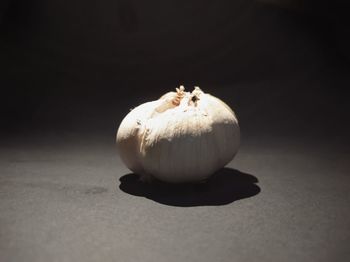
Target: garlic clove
x: 130, y: 133
x: 176, y: 150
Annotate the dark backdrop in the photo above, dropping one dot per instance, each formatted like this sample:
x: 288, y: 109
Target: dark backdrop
x: 80, y: 65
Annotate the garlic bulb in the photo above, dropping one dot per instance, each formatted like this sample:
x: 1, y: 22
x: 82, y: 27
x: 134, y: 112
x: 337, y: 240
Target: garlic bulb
x: 181, y: 137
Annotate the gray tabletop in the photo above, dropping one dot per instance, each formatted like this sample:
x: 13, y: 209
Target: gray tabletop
x: 71, y: 199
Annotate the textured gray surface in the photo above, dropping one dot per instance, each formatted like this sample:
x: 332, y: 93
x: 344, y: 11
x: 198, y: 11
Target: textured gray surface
x: 60, y: 201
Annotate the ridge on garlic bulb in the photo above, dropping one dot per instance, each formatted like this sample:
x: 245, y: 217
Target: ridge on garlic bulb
x: 181, y: 137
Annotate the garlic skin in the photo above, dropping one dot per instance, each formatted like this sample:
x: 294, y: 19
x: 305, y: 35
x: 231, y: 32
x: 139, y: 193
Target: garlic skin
x: 181, y: 137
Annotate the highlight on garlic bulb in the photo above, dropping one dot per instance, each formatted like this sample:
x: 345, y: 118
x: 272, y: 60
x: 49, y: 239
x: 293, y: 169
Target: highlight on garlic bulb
x: 181, y: 137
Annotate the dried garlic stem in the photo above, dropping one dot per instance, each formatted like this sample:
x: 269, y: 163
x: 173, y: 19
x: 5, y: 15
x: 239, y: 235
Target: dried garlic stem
x: 180, y: 93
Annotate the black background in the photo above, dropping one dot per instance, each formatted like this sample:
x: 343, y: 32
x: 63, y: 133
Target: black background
x: 69, y: 64
x: 71, y: 70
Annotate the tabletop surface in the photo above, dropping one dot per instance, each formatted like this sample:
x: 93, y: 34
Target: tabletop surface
x: 72, y: 199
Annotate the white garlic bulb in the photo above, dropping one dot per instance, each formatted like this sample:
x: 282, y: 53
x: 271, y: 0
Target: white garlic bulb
x: 181, y: 137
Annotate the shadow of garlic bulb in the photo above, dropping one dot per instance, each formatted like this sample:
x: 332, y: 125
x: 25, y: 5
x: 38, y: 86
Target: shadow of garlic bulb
x: 181, y: 137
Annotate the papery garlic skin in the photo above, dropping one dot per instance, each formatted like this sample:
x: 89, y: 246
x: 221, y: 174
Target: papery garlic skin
x: 181, y: 137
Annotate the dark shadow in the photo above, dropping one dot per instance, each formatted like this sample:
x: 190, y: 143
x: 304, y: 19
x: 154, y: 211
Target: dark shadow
x: 224, y: 187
